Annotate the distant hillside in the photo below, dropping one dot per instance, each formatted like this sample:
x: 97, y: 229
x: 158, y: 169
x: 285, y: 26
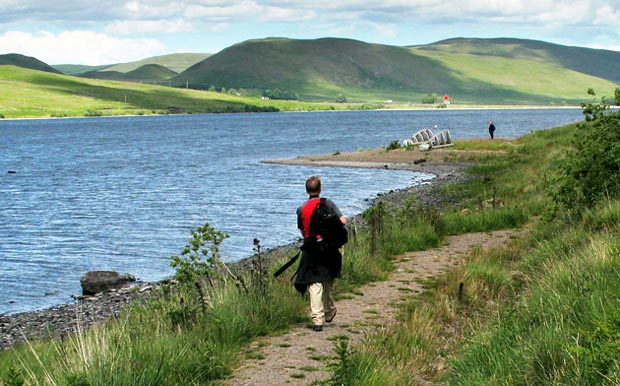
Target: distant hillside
x: 315, y: 68
x: 511, y: 71
x: 175, y: 62
x: 75, y: 69
x: 603, y: 64
x: 31, y: 93
x: 149, y: 73
x: 468, y: 70
x: 26, y: 62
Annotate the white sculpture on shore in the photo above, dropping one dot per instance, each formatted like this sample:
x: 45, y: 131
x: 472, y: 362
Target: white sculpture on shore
x: 425, y: 139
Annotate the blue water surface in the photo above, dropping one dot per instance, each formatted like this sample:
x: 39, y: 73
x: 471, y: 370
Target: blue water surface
x: 123, y: 193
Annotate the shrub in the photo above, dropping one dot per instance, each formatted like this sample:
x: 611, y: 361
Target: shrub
x: 93, y: 113
x: 593, y: 171
x: 395, y: 144
x: 429, y: 99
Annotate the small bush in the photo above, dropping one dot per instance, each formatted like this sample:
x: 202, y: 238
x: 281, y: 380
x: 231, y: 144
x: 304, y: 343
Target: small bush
x: 341, y: 98
x: 395, y: 144
x: 591, y: 173
x: 429, y: 99
x: 93, y: 113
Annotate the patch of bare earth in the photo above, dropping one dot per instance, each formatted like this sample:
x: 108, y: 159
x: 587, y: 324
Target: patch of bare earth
x: 298, y: 357
x: 440, y: 162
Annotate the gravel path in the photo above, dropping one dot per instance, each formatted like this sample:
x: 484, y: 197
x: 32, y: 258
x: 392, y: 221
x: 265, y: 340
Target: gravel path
x: 297, y: 358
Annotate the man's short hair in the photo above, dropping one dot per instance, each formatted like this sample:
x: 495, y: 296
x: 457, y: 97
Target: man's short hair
x: 313, y: 185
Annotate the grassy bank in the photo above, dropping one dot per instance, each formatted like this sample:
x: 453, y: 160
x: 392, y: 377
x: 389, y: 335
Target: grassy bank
x: 541, y: 311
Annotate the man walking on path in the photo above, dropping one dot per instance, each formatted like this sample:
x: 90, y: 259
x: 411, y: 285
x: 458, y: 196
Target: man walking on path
x: 491, y: 129
x: 319, y: 266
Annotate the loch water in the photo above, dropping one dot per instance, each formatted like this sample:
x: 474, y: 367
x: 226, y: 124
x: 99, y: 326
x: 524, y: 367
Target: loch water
x: 123, y: 193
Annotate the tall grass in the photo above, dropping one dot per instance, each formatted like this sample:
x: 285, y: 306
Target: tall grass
x: 564, y: 330
x: 165, y: 341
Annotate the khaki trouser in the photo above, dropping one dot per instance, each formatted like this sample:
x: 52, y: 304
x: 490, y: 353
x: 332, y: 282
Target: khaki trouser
x: 322, y: 304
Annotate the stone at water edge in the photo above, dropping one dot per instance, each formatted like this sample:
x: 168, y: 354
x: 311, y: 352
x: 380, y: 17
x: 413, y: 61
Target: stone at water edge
x: 94, y: 282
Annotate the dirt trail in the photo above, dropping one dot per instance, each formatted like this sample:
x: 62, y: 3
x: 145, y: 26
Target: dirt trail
x: 295, y: 358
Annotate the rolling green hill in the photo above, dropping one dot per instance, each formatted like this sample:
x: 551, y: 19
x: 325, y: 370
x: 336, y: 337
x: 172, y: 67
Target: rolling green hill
x: 504, y: 71
x: 319, y: 68
x: 602, y: 64
x: 471, y: 71
x: 31, y: 93
x: 175, y: 62
x: 76, y: 69
x: 149, y: 73
x: 25, y: 62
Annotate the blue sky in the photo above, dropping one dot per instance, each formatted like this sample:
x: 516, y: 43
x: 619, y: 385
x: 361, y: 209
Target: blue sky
x: 115, y: 31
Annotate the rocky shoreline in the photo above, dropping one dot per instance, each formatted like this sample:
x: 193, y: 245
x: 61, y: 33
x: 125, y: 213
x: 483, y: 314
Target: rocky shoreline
x: 68, y: 318
x: 90, y: 310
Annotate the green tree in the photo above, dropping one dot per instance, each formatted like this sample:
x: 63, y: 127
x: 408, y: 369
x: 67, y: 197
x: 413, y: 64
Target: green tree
x: 594, y: 109
x: 593, y: 171
x: 200, y: 261
x: 429, y: 98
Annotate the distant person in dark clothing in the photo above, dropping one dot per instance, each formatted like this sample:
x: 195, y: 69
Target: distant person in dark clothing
x: 317, y: 268
x: 491, y: 129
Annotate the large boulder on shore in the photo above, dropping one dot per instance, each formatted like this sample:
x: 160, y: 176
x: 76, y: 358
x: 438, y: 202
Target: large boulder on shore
x: 94, y: 282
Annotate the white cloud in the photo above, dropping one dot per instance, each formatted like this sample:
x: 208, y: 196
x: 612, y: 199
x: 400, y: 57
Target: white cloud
x: 153, y: 9
x: 225, y: 22
x: 605, y: 42
x: 607, y: 15
x: 78, y: 47
x: 386, y: 29
x: 246, y: 9
x: 129, y: 27
x: 218, y: 27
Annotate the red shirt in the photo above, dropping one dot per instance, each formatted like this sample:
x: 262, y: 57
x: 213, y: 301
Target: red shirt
x: 306, y: 215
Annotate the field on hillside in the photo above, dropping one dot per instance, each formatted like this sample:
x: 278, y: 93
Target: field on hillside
x: 28, y: 93
x: 517, y: 77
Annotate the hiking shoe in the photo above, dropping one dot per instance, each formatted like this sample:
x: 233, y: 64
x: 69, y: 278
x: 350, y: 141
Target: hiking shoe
x: 329, y: 320
x: 317, y: 328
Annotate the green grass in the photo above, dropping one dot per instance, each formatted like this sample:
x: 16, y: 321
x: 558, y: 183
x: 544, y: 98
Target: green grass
x: 542, y: 310
x: 598, y: 63
x: 28, y: 93
x: 507, y: 78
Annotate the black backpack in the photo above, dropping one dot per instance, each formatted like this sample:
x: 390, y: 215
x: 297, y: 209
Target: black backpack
x: 325, y: 223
